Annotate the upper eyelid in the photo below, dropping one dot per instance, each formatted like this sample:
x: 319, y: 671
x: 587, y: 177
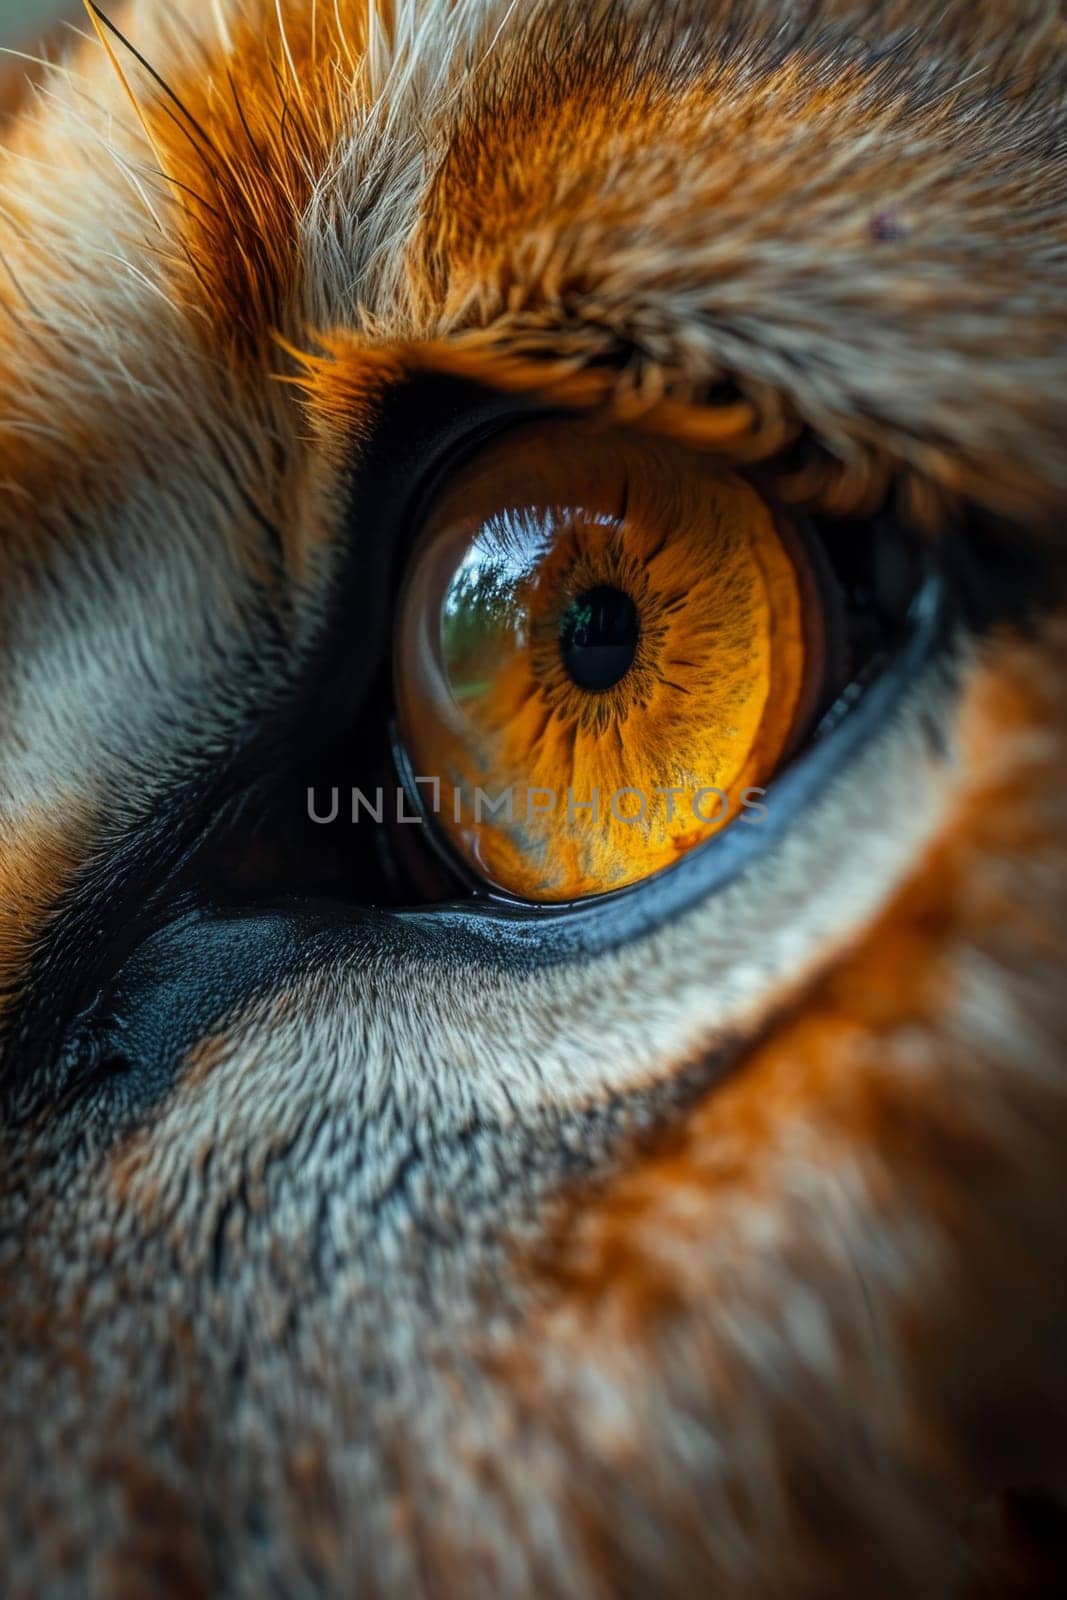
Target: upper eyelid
x: 751, y: 426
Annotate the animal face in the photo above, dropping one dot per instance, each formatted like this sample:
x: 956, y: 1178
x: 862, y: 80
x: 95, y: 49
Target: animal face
x: 531, y: 800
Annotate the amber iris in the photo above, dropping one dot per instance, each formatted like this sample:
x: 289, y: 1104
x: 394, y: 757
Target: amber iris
x: 605, y: 645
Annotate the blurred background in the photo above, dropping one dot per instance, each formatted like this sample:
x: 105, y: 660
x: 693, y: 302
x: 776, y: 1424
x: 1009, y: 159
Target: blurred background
x: 21, y: 19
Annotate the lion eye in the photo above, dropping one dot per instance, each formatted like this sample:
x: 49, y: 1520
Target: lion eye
x: 606, y: 648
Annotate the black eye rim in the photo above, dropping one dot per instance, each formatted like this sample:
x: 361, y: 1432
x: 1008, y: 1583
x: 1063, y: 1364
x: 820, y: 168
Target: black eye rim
x: 558, y: 931
x: 554, y: 931
x: 976, y: 575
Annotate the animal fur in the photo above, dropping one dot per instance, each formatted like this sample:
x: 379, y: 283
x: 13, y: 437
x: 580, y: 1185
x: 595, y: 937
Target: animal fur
x: 732, y: 1260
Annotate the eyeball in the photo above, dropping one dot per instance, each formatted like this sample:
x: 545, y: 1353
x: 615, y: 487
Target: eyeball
x: 604, y: 644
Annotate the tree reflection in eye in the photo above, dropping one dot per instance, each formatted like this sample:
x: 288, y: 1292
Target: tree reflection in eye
x: 598, y: 638
x: 589, y: 611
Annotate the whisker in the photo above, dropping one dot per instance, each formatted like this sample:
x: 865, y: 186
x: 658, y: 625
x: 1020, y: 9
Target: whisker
x: 221, y: 25
x: 285, y: 42
x: 97, y: 18
x: 193, y: 129
x: 43, y: 62
x: 41, y: 430
x: 342, y: 36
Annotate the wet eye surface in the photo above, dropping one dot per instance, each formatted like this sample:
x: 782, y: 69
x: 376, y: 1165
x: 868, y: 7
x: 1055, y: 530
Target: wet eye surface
x: 606, y: 648
x: 599, y: 637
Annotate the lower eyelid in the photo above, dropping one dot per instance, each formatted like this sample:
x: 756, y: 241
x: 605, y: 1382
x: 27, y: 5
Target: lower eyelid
x: 536, y: 935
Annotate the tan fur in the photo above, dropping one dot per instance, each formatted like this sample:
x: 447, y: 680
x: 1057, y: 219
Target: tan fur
x: 730, y: 1260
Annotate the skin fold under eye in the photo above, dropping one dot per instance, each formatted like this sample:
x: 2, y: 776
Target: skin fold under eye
x: 606, y: 646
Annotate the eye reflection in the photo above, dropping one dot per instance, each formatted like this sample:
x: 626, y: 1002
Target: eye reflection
x: 598, y: 637
x: 598, y: 633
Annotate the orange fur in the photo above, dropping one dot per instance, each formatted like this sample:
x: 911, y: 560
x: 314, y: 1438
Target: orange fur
x: 410, y: 1269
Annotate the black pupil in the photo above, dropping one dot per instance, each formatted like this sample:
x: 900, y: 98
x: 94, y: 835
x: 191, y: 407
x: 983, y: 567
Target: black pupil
x: 598, y: 637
